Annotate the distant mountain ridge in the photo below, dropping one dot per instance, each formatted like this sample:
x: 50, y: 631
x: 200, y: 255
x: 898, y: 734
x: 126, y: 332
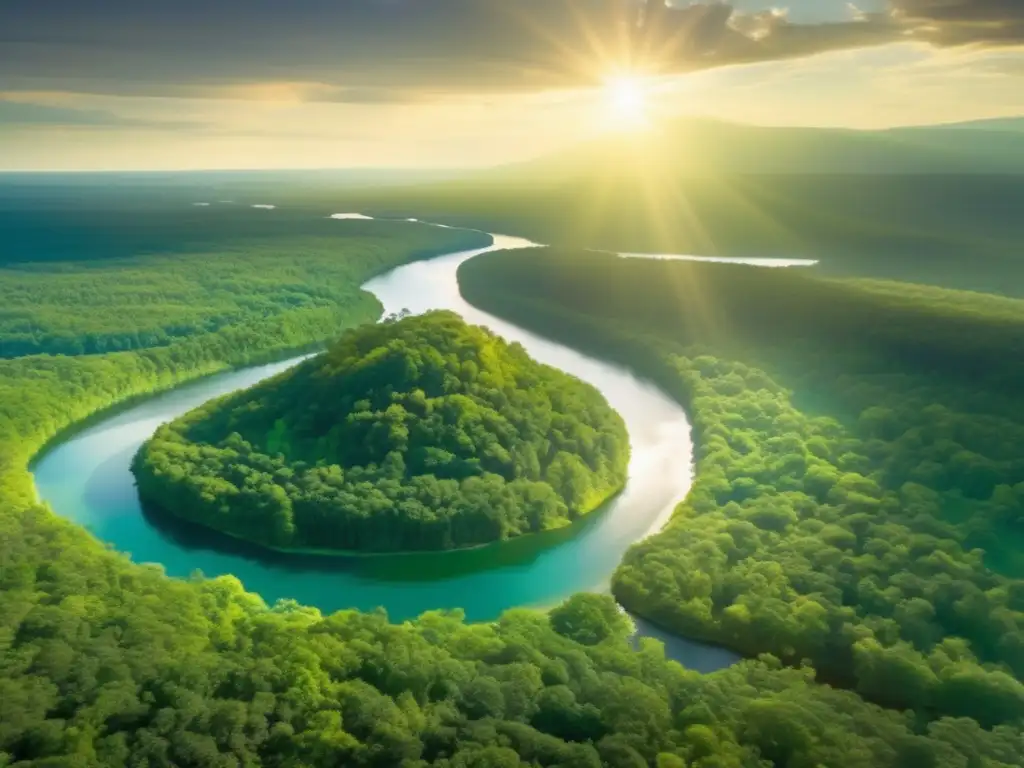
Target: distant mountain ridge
x: 1014, y: 124
x: 699, y: 146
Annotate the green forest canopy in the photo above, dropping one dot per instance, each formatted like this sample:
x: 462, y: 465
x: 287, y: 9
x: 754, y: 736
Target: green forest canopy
x: 222, y: 283
x: 104, y: 662
x: 859, y: 500
x: 421, y: 433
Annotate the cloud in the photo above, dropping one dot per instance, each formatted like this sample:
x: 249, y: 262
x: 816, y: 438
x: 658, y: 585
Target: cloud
x: 373, y: 51
x: 701, y: 35
x: 301, y: 92
x: 372, y: 95
x: 707, y: 35
x: 960, y: 22
x: 24, y: 113
x: 999, y: 12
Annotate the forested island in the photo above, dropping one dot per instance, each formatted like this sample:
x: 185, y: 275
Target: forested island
x: 860, y: 489
x: 420, y: 433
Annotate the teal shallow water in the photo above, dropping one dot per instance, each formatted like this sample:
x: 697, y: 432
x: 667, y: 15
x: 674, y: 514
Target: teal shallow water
x: 87, y: 479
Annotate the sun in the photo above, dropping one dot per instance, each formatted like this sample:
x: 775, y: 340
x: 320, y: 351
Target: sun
x: 626, y: 102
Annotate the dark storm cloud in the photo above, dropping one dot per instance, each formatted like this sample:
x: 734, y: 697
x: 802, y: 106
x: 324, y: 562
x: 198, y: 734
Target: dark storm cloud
x: 386, y: 50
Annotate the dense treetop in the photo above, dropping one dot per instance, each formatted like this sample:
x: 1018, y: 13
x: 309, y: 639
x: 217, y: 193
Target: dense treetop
x: 860, y: 490
x: 112, y: 664
x: 305, y: 272
x: 108, y: 663
x: 930, y: 329
x: 416, y: 434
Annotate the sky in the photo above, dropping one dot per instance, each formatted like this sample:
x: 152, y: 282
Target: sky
x: 193, y: 84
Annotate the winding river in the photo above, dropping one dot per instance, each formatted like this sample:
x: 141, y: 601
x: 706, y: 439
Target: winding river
x: 87, y: 479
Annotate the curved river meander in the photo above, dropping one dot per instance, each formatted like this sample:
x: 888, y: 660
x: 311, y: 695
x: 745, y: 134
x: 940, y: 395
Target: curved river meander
x: 87, y: 479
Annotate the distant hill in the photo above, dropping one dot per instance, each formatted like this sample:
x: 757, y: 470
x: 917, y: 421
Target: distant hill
x: 701, y: 147
x: 1013, y: 124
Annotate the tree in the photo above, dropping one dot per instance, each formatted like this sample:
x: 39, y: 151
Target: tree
x: 590, y: 619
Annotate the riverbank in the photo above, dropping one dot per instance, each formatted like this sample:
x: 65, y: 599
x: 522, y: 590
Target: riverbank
x: 87, y: 479
x: 550, y: 537
x: 70, y: 392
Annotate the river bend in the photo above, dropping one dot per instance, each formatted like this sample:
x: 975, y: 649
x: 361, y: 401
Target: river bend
x: 87, y: 480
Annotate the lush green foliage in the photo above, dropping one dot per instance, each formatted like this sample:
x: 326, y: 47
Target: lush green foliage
x: 42, y: 395
x: 107, y: 663
x: 85, y: 219
x: 417, y: 434
x: 840, y: 500
x: 230, y: 285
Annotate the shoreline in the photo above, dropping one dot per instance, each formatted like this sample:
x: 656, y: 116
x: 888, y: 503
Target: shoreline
x: 267, y: 357
x: 524, y: 548
x: 350, y: 554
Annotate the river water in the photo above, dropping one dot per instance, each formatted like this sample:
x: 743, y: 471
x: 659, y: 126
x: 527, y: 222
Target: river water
x: 87, y: 479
